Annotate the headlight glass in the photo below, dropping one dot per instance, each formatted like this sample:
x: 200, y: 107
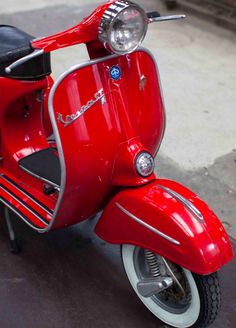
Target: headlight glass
x: 123, y: 28
x: 144, y: 164
x: 127, y: 31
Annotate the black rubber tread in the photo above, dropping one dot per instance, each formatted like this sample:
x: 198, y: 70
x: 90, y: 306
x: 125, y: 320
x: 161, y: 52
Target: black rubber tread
x: 210, y: 298
x: 209, y: 291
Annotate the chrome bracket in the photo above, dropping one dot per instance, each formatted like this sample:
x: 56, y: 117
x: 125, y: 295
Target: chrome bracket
x: 151, y: 286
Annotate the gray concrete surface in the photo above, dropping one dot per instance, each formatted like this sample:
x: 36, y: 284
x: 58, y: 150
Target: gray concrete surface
x: 66, y: 280
x: 72, y: 279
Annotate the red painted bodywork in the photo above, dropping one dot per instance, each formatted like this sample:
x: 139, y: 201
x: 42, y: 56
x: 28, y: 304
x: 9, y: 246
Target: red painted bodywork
x: 85, y: 32
x: 99, y: 148
x: 97, y: 154
x: 22, y: 133
x: 203, y: 247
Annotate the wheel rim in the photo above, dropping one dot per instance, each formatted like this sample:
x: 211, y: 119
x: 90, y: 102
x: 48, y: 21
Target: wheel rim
x: 182, y: 315
x: 171, y: 299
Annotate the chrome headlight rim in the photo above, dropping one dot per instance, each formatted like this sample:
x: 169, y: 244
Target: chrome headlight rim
x: 109, y: 19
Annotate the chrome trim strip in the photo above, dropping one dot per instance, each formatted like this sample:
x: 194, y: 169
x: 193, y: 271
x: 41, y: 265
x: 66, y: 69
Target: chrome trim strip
x: 39, y: 177
x: 27, y: 195
x: 185, y: 202
x: 55, y: 129
x: 54, y: 122
x: 148, y: 226
x: 22, y: 60
x: 44, y: 221
x: 20, y: 215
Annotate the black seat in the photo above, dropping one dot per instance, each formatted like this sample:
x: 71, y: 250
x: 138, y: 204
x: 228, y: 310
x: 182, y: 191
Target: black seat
x: 15, y: 44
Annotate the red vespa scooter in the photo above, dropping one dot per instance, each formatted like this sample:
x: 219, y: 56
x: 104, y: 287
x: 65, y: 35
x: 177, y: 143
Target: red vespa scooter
x: 86, y: 144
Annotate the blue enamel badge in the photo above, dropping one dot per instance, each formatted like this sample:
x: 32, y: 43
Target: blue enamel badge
x: 115, y: 72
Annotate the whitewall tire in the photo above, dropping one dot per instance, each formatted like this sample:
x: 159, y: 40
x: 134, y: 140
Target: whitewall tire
x: 197, y: 309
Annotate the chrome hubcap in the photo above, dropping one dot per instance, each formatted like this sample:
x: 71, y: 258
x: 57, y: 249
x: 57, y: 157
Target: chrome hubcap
x: 168, y: 288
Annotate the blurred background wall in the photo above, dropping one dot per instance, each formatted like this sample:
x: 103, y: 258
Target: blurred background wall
x: 232, y: 2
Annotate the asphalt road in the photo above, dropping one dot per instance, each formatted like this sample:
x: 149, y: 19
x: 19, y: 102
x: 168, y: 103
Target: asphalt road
x: 71, y: 279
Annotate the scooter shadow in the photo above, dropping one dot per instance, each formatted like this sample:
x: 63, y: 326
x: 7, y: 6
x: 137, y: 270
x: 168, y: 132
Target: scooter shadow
x: 65, y: 279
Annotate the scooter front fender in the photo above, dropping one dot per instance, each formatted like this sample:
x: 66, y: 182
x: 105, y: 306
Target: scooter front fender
x: 171, y: 220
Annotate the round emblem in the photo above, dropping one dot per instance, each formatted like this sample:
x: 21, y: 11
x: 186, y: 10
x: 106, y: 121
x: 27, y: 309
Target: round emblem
x: 115, y: 72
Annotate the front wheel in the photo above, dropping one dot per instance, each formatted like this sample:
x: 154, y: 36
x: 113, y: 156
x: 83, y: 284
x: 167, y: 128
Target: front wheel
x: 191, y: 300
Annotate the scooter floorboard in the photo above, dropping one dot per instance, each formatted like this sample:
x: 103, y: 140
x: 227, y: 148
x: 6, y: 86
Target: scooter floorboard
x: 25, y: 203
x: 43, y: 164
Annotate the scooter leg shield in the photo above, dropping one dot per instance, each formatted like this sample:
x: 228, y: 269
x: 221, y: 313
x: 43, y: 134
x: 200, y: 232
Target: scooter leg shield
x: 168, y: 219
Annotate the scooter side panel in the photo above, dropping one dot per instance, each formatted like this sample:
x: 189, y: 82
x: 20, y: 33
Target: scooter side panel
x: 170, y: 220
x: 20, y: 120
x: 22, y: 133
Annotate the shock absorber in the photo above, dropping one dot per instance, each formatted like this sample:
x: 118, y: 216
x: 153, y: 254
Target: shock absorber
x: 150, y: 286
x: 153, y: 265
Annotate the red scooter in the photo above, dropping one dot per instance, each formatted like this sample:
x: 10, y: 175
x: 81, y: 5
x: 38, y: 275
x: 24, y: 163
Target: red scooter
x: 85, y: 144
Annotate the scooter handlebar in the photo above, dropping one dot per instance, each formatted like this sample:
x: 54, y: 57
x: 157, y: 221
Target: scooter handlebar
x: 159, y: 18
x: 24, y: 59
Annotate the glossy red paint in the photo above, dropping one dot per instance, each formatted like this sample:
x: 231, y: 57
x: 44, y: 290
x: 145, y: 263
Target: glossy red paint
x: 22, y: 133
x: 85, y: 32
x: 97, y: 153
x: 201, y: 247
x: 99, y: 147
x: 21, y: 119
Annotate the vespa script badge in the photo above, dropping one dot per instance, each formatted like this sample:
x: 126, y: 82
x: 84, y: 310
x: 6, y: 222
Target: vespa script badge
x: 68, y: 119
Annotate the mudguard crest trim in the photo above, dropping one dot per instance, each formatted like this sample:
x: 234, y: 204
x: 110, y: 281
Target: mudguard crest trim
x: 159, y: 233
x: 185, y: 202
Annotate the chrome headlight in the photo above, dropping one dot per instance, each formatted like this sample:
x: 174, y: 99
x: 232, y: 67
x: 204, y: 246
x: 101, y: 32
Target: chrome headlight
x: 144, y: 163
x: 123, y: 27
